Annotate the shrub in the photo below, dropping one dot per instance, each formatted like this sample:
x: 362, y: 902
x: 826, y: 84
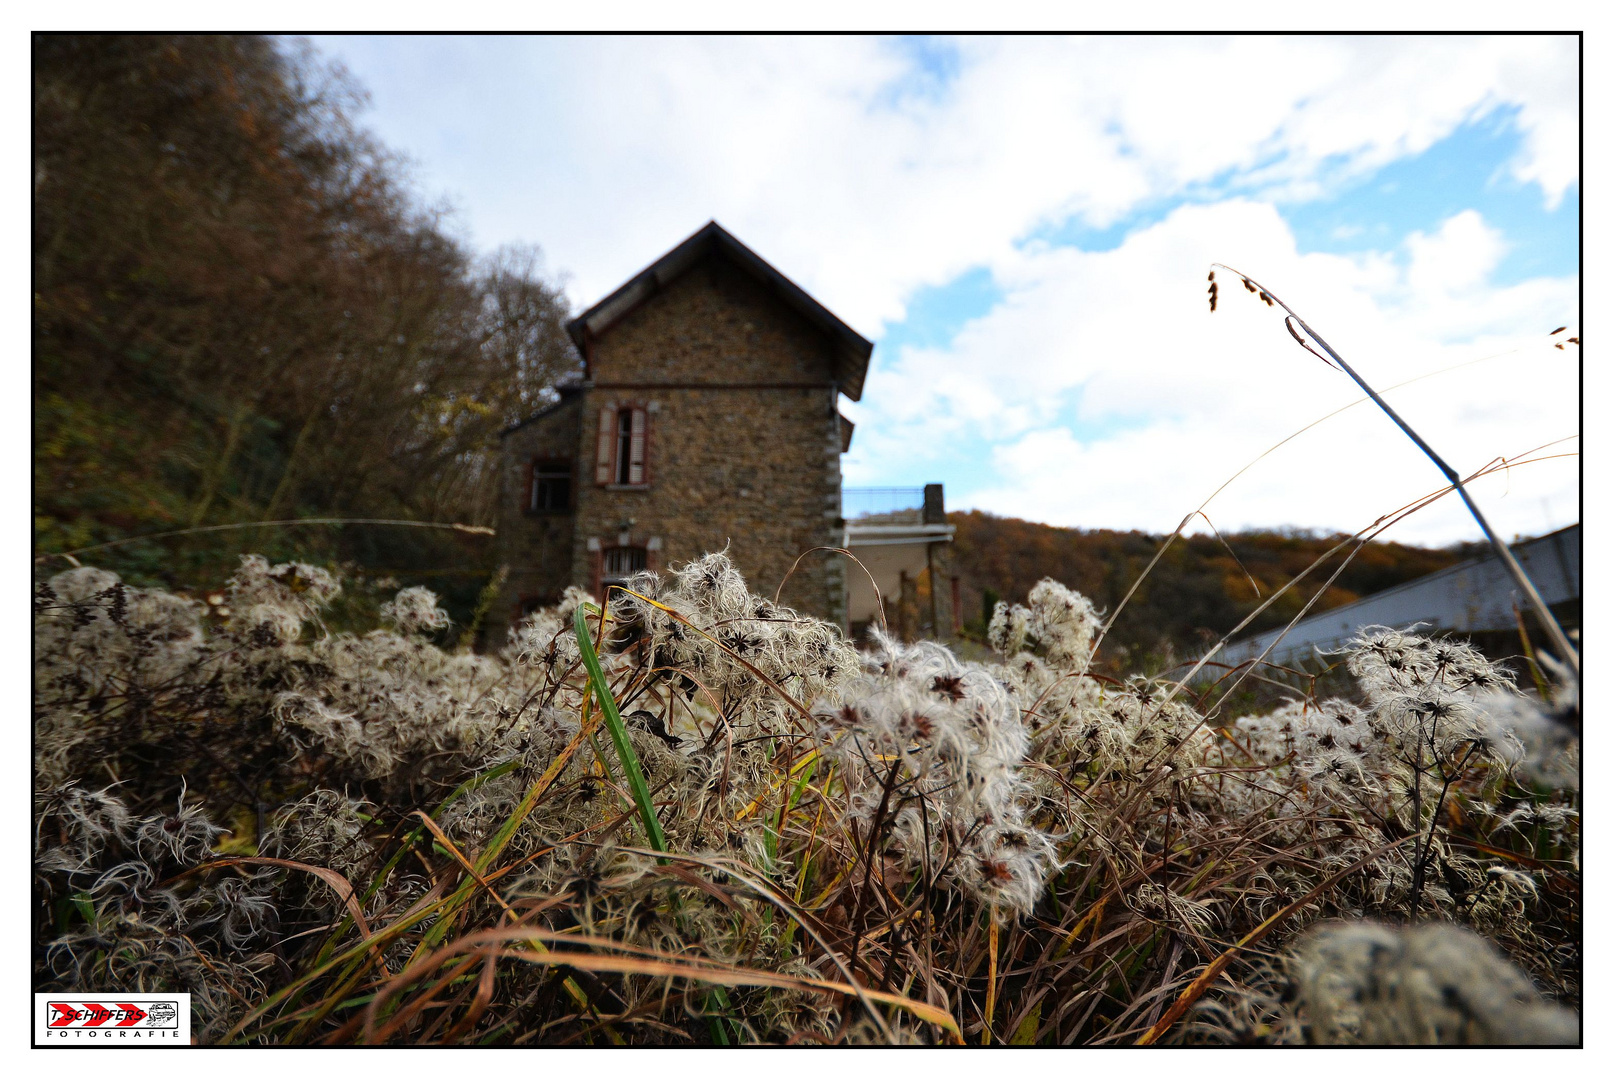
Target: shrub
x: 322, y: 834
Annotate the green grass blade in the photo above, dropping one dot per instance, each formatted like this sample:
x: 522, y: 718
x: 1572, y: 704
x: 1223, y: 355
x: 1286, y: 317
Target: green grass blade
x: 619, y: 734
x: 720, y: 1032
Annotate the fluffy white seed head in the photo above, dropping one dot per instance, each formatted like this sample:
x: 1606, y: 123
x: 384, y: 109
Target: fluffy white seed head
x: 414, y: 611
x: 1437, y: 984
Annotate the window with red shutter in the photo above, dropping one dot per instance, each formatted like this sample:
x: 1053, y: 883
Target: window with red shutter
x: 624, y: 446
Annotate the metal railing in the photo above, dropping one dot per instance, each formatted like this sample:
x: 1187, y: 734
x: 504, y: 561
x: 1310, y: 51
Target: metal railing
x: 883, y: 506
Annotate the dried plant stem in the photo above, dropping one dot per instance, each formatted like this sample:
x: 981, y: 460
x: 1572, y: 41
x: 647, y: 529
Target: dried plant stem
x: 1203, y: 981
x: 1550, y: 624
x: 475, y: 530
x: 991, y: 977
x: 1085, y: 912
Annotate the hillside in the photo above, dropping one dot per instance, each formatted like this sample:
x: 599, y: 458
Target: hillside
x: 1198, y: 591
x: 242, y: 313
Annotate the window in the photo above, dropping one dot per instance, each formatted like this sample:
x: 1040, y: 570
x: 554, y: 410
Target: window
x: 551, y: 489
x: 619, y: 562
x: 624, y: 446
x: 623, y: 440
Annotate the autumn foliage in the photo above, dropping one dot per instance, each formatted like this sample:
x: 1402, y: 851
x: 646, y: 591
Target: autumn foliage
x: 1202, y: 587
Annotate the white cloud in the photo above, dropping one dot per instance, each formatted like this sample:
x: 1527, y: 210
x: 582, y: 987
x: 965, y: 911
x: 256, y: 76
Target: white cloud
x: 840, y: 160
x: 1111, y: 396
x: 863, y: 177
x: 1456, y: 258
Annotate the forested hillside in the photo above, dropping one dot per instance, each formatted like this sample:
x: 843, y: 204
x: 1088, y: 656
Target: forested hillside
x: 242, y: 313
x: 1199, y: 590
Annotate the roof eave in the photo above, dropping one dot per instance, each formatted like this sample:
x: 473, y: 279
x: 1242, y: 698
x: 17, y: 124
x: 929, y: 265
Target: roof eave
x: 852, y: 349
x: 567, y: 392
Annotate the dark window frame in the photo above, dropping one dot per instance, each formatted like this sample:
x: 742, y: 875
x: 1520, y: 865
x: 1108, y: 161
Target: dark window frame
x: 613, y: 459
x: 561, y: 468
x: 622, y: 451
x: 642, y: 562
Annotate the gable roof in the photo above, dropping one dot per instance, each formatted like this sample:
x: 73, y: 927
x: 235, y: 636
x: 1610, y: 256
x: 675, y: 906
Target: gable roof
x: 852, y: 350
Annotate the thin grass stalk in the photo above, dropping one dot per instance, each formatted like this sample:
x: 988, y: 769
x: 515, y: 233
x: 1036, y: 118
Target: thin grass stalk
x: 879, y: 601
x: 456, y: 526
x: 799, y: 917
x: 501, y: 838
x: 1548, y: 622
x: 991, y: 977
x: 1536, y: 675
x: 1360, y: 538
x: 1202, y: 982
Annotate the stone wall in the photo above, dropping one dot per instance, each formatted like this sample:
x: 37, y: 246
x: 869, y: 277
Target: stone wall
x: 749, y: 461
x: 755, y: 472
x: 535, y: 548
x: 715, y: 324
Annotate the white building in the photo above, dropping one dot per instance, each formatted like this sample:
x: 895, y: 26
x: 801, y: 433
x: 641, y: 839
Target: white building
x: 895, y: 534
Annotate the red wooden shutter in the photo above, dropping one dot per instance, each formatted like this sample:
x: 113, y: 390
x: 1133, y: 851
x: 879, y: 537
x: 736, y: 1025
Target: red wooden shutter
x: 636, y: 448
x: 603, y: 462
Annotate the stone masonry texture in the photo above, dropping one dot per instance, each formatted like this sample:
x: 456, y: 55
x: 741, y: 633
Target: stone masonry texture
x: 743, y: 452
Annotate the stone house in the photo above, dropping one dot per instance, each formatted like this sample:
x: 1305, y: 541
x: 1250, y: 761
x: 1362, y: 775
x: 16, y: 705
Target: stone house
x: 706, y: 419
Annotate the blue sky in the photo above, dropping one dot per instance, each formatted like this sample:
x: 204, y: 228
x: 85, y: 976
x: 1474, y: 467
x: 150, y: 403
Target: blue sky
x: 1371, y: 213
x: 1467, y: 169
x: 1023, y: 227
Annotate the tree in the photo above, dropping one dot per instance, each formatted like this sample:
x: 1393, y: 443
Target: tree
x: 241, y: 315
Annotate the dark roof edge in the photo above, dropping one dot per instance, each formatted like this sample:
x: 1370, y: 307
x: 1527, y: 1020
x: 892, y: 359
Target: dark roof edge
x: 566, y: 394
x: 853, y: 347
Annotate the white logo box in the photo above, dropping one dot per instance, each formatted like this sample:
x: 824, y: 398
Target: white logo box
x: 112, y: 1019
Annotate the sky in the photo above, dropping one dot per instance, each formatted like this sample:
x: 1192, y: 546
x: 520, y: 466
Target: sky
x: 1023, y: 226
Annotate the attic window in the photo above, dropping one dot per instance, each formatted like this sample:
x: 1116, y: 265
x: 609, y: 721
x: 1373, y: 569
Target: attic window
x: 551, y: 489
